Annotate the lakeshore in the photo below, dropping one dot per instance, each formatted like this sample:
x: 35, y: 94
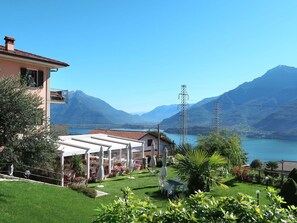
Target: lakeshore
x: 257, y: 148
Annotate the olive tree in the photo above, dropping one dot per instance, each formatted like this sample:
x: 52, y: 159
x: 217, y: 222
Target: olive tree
x: 24, y: 132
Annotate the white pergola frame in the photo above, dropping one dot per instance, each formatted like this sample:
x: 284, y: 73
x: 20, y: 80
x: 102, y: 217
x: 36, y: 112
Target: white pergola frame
x: 91, y: 143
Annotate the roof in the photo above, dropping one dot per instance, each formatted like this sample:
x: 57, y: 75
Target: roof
x: 78, y: 144
x: 120, y: 133
x: 137, y: 135
x: 25, y: 55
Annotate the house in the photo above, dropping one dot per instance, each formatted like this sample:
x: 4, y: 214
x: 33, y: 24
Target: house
x: 147, y: 137
x: 34, y: 69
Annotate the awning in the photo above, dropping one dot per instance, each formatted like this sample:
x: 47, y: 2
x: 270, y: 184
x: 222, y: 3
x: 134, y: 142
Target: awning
x: 71, y: 145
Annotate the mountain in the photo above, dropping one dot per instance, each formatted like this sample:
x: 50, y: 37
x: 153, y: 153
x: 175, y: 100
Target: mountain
x: 85, y: 109
x: 283, y: 119
x: 203, y: 101
x: 250, y: 106
x: 160, y: 113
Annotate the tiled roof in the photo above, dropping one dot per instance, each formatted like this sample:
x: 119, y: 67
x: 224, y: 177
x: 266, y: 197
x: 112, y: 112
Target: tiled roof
x: 120, y: 133
x: 22, y: 54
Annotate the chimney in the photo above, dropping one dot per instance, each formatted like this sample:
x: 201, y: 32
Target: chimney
x: 9, y: 43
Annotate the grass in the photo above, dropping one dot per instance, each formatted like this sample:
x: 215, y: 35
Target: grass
x: 235, y: 187
x: 28, y: 202
x: 144, y: 185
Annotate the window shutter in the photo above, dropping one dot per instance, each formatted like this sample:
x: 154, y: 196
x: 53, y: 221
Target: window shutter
x: 40, y: 78
x: 23, y: 74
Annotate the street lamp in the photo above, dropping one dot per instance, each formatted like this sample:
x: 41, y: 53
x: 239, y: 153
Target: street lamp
x: 258, y: 197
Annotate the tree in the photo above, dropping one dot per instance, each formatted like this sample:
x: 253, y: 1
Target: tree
x: 184, y: 148
x: 24, y: 132
x: 199, y: 169
x: 272, y: 165
x: 77, y: 164
x: 256, y: 164
x: 225, y: 143
x: 289, y: 189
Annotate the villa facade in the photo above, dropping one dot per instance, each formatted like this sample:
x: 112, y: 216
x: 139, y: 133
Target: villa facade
x: 34, y: 69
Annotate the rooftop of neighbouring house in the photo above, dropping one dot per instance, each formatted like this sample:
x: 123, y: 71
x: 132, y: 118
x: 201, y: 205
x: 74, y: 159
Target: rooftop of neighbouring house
x: 120, y: 133
x: 8, y: 51
x: 137, y: 135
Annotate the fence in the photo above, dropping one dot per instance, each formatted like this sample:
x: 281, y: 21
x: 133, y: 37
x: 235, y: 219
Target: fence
x: 266, y: 177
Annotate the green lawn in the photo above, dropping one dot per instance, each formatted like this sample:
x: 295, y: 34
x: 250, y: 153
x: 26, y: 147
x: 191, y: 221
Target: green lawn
x: 235, y: 187
x: 30, y: 202
x: 144, y: 185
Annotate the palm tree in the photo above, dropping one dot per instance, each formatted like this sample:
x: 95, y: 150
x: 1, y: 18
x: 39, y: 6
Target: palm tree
x: 199, y: 169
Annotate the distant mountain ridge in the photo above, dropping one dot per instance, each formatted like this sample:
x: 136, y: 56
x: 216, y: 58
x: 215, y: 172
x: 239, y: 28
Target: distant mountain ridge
x: 266, y: 104
x: 85, y: 109
x: 160, y: 113
x: 256, y: 105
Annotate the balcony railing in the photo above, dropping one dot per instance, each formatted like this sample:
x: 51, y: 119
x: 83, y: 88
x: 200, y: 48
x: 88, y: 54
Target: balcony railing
x: 59, y: 96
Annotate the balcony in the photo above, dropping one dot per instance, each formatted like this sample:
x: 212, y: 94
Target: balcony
x: 59, y: 96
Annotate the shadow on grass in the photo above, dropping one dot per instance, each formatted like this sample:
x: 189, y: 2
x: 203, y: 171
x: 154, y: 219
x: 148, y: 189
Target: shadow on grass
x: 231, y: 183
x: 3, y: 198
x: 140, y: 188
x: 117, y: 179
x: 146, y: 176
x: 157, y: 195
x: 143, y: 172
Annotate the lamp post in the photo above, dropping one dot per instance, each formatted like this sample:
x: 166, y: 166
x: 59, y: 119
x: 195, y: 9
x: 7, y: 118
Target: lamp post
x: 267, y: 179
x: 258, y: 197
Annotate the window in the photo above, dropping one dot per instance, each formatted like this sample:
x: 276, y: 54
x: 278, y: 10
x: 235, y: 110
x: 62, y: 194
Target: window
x: 33, y: 78
x: 149, y: 142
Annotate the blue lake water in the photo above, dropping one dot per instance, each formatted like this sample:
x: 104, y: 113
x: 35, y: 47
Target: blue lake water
x: 263, y: 149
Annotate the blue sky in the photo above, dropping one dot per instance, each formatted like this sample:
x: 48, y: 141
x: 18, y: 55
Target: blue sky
x: 136, y: 54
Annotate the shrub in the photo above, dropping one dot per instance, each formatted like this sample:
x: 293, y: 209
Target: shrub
x: 293, y: 175
x: 289, y: 189
x: 118, y: 170
x: 256, y: 164
x: 243, y: 173
x: 199, y: 207
x: 90, y: 192
x: 127, y: 209
x: 159, y: 162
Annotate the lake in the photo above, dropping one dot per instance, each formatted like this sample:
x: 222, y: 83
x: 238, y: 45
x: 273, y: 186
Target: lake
x: 262, y: 149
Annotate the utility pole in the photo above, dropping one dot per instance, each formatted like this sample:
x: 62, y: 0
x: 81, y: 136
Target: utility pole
x: 183, y: 116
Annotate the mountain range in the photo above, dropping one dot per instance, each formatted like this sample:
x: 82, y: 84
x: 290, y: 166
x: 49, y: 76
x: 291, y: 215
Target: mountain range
x: 267, y: 103
x: 83, y: 109
x: 264, y: 105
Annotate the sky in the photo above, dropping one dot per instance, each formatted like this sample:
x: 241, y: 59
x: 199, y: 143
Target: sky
x: 136, y: 54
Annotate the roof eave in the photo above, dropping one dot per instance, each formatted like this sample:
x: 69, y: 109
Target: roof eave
x: 52, y: 64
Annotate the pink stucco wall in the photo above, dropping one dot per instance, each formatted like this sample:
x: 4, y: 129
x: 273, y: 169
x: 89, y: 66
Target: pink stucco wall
x: 13, y: 68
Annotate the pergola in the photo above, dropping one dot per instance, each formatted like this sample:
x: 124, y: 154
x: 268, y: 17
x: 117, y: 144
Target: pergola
x: 71, y: 145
